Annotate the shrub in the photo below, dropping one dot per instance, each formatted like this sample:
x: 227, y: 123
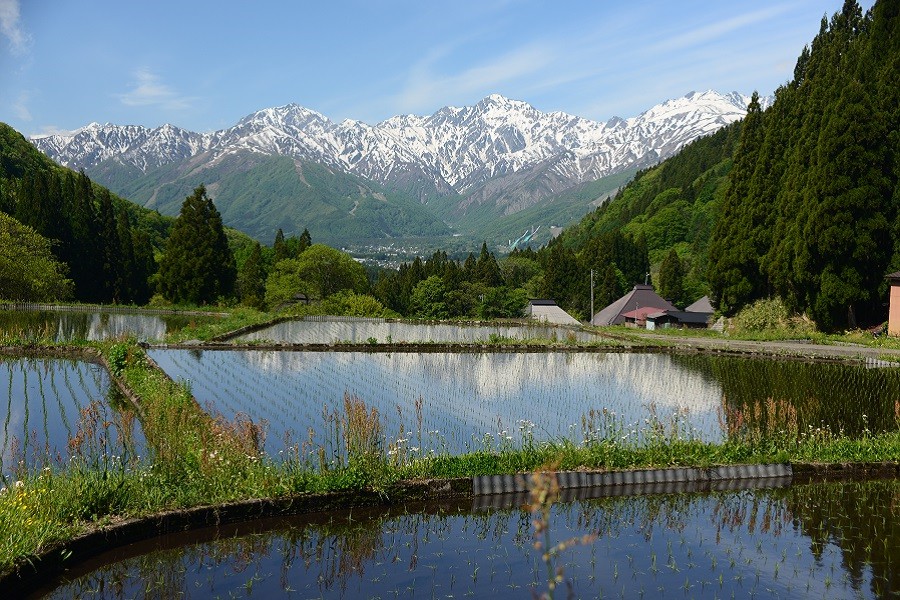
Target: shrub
x: 771, y: 315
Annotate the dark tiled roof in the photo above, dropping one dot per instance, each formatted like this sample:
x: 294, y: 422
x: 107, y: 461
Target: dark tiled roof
x: 640, y: 297
x: 542, y: 302
x: 703, y: 305
x: 681, y: 316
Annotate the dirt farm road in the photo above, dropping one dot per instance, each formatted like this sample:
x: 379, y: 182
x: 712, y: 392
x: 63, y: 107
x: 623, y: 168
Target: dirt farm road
x: 784, y: 348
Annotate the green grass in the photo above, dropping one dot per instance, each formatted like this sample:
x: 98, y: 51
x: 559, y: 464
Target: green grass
x: 205, y: 328
x: 196, y: 458
x: 663, y: 336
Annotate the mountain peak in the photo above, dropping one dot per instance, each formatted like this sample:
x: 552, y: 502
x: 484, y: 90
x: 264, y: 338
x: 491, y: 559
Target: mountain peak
x: 482, y: 153
x: 501, y: 101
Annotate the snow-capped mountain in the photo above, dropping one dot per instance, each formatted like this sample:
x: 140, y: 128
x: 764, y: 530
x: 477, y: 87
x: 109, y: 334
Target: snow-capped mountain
x: 499, y: 151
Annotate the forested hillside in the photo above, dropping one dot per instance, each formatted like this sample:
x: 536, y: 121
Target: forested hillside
x: 63, y: 237
x: 106, y: 243
x: 799, y: 201
x: 670, y: 206
x: 260, y: 194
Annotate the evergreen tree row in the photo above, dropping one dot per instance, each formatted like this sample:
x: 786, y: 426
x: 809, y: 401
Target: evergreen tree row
x: 109, y: 259
x: 812, y: 211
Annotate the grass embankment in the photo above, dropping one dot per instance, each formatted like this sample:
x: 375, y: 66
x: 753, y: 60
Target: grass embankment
x: 209, y: 329
x: 206, y: 328
x: 197, y: 459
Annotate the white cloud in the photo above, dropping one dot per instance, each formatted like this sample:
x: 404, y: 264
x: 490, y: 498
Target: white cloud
x: 425, y: 88
x: 149, y: 90
x: 48, y: 130
x: 20, y: 106
x: 716, y: 30
x: 11, y: 28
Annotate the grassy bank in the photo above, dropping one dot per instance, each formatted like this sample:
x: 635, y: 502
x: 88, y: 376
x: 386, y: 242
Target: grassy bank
x: 196, y: 458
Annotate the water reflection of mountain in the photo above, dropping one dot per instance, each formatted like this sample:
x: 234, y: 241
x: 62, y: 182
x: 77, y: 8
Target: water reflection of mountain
x: 359, y: 331
x: 841, y: 397
x: 463, y: 394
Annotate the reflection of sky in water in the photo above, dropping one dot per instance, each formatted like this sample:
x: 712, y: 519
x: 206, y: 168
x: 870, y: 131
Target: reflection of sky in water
x: 67, y: 326
x: 716, y: 545
x: 44, y: 401
x: 328, y: 332
x: 463, y: 394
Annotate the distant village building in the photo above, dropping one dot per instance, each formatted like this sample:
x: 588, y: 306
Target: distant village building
x: 642, y: 307
x: 695, y: 316
x: 641, y: 297
x: 298, y: 298
x: 894, y: 310
x: 546, y: 311
x: 678, y: 318
x: 703, y: 305
x: 638, y: 317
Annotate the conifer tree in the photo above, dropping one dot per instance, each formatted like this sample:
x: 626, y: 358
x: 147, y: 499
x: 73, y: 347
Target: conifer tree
x: 144, y: 266
x: 671, y: 278
x: 112, y: 282
x: 85, y: 264
x: 251, y: 284
x: 734, y: 273
x: 487, y: 271
x: 198, y: 267
x: 305, y: 241
x: 608, y: 290
x: 280, y: 247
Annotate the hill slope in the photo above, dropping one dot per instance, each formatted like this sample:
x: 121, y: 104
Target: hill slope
x: 800, y: 201
x: 469, y: 167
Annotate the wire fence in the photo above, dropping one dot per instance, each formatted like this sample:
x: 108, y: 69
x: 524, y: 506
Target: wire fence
x: 104, y: 308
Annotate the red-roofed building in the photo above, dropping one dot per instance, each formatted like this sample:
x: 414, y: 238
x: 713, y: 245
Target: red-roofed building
x: 642, y: 296
x: 638, y: 317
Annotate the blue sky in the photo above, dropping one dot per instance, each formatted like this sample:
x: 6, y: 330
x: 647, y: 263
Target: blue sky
x: 202, y: 65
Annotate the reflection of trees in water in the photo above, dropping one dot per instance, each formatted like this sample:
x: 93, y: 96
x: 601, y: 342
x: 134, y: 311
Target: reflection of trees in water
x: 765, y: 396
x: 860, y: 519
x: 52, y: 404
x: 65, y: 325
x: 337, y: 552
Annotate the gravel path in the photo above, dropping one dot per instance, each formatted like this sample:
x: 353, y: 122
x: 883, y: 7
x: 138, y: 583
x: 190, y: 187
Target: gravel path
x: 782, y: 348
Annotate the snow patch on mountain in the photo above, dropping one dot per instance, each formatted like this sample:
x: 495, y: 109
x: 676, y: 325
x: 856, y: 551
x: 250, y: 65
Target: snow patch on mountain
x: 456, y: 150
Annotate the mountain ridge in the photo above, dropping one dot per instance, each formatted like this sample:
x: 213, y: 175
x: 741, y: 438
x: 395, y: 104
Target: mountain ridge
x: 499, y: 152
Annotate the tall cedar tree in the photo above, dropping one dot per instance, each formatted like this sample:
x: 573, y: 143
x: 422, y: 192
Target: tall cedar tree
x: 251, y: 282
x: 813, y: 217
x: 671, y: 279
x: 198, y: 267
x: 734, y: 273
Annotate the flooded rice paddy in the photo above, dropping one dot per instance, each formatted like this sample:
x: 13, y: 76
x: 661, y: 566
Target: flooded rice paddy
x: 360, y: 331
x: 67, y: 326
x: 825, y: 540
x: 471, y: 401
x: 56, y: 409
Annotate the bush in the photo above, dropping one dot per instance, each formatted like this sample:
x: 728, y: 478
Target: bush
x: 771, y: 316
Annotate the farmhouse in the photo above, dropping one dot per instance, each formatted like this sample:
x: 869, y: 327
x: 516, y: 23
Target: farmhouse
x: 547, y: 311
x: 695, y: 316
x: 641, y: 297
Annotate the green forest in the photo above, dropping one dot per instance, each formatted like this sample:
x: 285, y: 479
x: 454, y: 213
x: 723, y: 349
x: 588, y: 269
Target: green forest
x: 798, y: 202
